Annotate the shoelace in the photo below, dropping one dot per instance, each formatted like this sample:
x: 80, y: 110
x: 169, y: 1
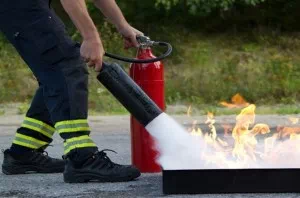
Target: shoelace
x: 41, y: 151
x: 103, y: 155
x: 44, y: 154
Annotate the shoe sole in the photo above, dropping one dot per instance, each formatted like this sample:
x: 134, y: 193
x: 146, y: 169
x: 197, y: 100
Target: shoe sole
x: 89, y: 177
x: 17, y: 170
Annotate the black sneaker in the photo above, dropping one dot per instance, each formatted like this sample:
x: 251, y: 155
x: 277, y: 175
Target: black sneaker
x: 31, y: 162
x: 97, y: 167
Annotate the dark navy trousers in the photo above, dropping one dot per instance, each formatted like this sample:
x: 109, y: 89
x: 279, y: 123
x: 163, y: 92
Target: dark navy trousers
x: 60, y: 103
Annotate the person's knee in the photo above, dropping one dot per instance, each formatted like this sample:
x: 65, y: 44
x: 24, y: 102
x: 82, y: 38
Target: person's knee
x: 76, y: 78
x: 66, y: 90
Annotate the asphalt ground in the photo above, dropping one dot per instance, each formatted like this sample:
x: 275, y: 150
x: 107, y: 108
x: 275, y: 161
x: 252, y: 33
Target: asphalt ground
x: 109, y: 132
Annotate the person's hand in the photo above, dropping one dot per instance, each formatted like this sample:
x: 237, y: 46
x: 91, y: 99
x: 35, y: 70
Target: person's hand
x: 92, y: 51
x: 129, y: 34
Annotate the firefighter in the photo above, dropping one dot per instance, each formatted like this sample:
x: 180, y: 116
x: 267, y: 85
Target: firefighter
x: 60, y: 102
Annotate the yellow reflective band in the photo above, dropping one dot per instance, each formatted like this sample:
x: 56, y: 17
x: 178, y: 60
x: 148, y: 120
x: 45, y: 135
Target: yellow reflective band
x: 78, y: 142
x: 70, y: 122
x: 40, y: 123
x: 36, y: 129
x: 71, y: 130
x: 71, y: 126
x: 84, y: 145
x: 24, y: 144
x: 75, y: 139
x: 38, y: 126
x: 31, y: 139
x: 28, y: 141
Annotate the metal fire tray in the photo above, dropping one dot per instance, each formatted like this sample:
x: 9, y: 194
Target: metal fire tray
x: 212, y: 181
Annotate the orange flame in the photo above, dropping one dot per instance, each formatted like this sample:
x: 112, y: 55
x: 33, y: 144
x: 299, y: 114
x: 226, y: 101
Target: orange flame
x: 287, y: 131
x: 245, y: 150
x: 237, y: 102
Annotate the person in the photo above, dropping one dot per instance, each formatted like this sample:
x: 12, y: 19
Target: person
x: 60, y: 103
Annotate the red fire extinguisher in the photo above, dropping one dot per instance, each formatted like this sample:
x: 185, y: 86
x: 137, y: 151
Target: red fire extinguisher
x: 148, y: 72
x: 150, y: 77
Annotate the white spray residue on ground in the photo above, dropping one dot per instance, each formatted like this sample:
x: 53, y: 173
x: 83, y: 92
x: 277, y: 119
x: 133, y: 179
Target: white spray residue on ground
x: 178, y: 150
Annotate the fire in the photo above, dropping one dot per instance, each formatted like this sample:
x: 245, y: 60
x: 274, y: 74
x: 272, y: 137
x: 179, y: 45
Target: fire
x: 189, y: 111
x: 237, y: 102
x: 194, y: 130
x: 211, y: 121
x: 287, y: 131
x: 246, y: 143
x: 294, y: 120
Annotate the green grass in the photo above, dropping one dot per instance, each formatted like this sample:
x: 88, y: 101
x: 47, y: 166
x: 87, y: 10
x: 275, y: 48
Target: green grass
x: 264, y: 69
x: 260, y: 110
x: 204, y: 69
x: 279, y: 109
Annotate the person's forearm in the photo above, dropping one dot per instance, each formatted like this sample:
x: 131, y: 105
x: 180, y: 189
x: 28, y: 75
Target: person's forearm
x: 111, y: 10
x: 78, y: 12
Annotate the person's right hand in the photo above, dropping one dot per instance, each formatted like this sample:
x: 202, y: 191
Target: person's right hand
x: 92, y: 51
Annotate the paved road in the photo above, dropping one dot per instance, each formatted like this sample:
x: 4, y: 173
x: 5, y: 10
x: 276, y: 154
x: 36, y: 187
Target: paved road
x: 107, y: 134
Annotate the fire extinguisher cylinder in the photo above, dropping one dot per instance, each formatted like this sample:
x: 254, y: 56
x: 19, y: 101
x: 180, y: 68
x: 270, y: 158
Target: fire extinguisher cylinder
x: 128, y: 93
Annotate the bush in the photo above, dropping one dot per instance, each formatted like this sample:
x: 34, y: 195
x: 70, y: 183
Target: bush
x: 260, y: 62
x: 204, y: 7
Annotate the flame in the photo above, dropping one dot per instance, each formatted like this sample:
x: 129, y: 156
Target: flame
x: 195, y: 130
x: 189, y: 111
x: 261, y: 129
x: 245, y: 144
x: 237, y: 102
x: 294, y: 120
x: 287, y: 131
x: 211, y: 121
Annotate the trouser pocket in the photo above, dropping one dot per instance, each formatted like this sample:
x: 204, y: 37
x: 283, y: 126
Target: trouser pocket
x: 44, y: 39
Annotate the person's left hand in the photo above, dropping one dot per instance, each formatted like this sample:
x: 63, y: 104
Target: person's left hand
x: 129, y: 34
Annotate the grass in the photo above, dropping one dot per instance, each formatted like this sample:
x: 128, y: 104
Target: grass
x: 214, y: 68
x: 279, y: 109
x: 217, y: 110
x: 204, y: 69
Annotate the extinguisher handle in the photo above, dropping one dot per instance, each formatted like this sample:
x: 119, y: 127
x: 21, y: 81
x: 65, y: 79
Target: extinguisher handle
x: 134, y: 60
x: 144, y: 41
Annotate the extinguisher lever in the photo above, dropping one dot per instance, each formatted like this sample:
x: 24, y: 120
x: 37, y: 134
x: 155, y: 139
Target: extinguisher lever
x: 144, y: 41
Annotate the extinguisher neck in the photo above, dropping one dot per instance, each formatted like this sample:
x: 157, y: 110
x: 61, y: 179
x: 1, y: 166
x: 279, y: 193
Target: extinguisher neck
x: 145, y: 52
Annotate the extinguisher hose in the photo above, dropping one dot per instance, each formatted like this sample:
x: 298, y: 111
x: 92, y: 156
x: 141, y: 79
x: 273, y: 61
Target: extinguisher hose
x: 128, y: 93
x: 134, y: 60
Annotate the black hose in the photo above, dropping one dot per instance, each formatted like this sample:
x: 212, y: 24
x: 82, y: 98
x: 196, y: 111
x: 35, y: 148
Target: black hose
x: 134, y: 60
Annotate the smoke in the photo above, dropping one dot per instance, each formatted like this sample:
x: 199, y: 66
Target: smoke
x: 179, y: 150
x: 285, y: 154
